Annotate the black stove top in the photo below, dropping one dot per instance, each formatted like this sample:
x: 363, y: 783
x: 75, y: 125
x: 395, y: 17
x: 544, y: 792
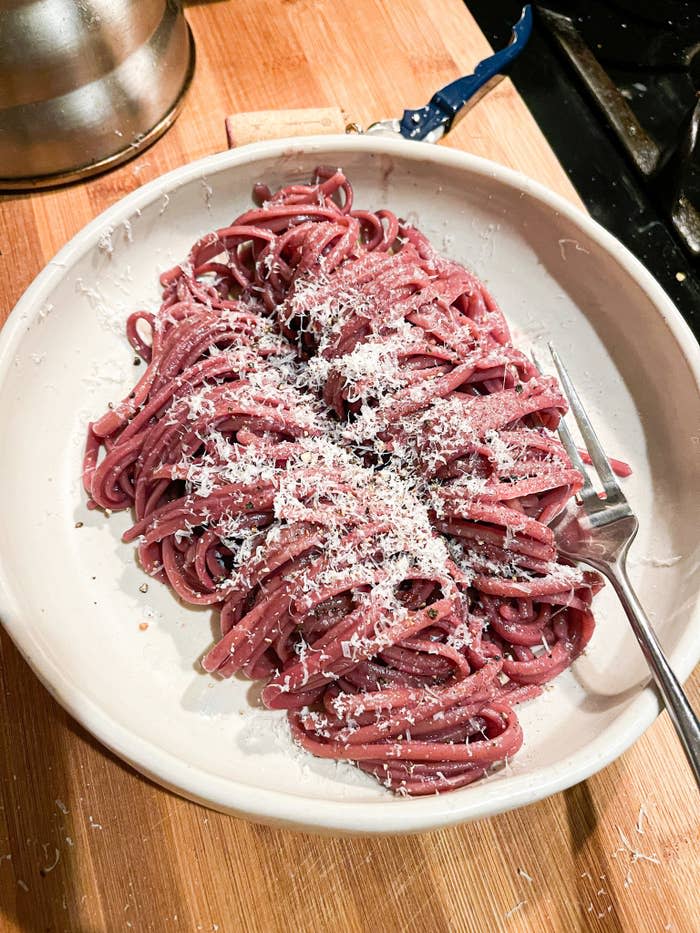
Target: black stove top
x: 613, y: 84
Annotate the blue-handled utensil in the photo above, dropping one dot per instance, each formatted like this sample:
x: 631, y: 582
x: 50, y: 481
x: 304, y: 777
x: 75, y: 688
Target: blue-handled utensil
x: 446, y: 106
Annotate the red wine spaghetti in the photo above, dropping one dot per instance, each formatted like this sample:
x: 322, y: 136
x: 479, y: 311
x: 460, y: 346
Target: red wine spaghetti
x: 336, y: 445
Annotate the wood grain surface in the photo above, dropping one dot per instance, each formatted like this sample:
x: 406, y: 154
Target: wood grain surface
x: 88, y: 845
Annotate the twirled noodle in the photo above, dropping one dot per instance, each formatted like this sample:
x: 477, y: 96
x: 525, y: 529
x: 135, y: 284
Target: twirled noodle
x: 336, y: 445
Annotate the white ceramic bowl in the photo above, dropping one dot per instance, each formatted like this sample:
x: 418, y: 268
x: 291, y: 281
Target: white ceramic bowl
x: 71, y: 598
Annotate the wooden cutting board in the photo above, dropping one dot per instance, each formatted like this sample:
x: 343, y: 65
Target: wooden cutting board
x: 88, y: 845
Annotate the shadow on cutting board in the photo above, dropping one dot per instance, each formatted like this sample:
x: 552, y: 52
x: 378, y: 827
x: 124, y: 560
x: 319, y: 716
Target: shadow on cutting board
x: 582, y: 819
x: 38, y: 831
x: 73, y: 825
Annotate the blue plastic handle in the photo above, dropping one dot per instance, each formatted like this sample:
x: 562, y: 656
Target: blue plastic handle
x: 448, y: 101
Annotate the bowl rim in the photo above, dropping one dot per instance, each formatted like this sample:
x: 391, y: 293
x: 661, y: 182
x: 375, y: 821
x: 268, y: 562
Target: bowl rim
x: 393, y: 815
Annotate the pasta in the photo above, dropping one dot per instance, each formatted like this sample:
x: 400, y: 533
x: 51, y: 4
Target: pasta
x: 335, y: 444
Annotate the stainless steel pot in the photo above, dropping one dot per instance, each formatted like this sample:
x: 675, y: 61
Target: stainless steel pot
x: 86, y: 84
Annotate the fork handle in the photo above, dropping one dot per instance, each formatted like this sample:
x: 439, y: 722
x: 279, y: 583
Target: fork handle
x: 679, y: 709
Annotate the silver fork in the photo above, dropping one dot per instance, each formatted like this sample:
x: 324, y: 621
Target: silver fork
x: 599, y: 532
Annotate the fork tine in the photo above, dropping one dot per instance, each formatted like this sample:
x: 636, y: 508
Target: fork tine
x: 587, y: 493
x: 590, y: 439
